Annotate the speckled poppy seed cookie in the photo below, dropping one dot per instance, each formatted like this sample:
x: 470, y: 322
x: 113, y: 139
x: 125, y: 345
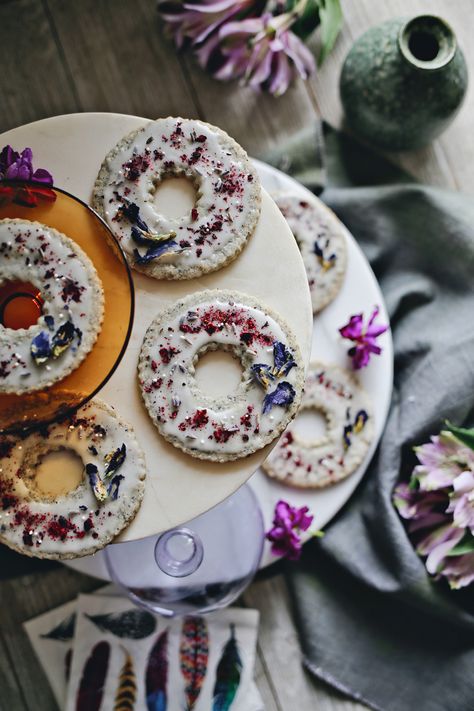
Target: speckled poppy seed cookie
x: 217, y: 228
x: 322, y: 242
x: 267, y: 398
x: 337, y: 394
x: 34, y: 358
x: 87, y: 518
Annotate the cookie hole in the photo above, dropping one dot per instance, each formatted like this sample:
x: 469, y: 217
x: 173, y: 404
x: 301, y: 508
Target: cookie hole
x: 218, y: 373
x: 309, y: 427
x: 175, y: 197
x: 58, y: 473
x: 21, y: 305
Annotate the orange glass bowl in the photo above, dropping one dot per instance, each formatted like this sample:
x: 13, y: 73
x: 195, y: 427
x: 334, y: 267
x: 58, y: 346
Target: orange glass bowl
x: 78, y: 221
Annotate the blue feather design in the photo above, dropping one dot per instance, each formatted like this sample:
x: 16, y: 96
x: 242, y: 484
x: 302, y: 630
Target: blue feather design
x: 228, y: 674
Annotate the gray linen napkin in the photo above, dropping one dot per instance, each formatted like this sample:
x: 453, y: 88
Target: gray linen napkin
x: 371, y: 622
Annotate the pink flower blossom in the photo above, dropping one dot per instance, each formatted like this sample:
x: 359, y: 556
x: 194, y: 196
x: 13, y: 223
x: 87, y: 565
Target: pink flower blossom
x: 288, y: 523
x: 196, y: 21
x: 364, y: 338
x: 438, y: 505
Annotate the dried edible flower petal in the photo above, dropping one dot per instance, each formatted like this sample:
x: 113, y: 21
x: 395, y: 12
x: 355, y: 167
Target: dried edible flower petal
x: 62, y: 339
x: 115, y: 460
x: 41, y: 348
x: 148, y: 239
x: 262, y: 374
x: 283, y: 359
x: 283, y: 396
x: 132, y: 212
x: 163, y: 249
x: 113, y: 487
x: 97, y: 485
x: 364, y: 338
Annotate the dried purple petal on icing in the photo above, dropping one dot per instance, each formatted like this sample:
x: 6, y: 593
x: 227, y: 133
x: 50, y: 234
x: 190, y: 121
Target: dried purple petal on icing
x: 40, y: 348
x: 262, y: 374
x: 115, y: 460
x: 148, y: 239
x: 283, y: 359
x: 113, y: 488
x: 283, y: 396
x: 153, y: 253
x: 49, y: 321
x: 132, y: 211
x: 97, y: 486
x: 62, y: 339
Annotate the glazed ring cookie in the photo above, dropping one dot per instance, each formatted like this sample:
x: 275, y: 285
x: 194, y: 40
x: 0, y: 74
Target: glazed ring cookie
x: 224, y: 216
x: 267, y: 398
x: 336, y: 394
x: 80, y: 522
x: 34, y: 358
x: 320, y: 237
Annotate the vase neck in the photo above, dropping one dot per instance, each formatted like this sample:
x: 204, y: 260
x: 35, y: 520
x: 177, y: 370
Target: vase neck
x: 427, y: 42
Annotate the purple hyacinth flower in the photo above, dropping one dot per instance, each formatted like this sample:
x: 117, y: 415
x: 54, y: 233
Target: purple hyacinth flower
x: 364, y: 338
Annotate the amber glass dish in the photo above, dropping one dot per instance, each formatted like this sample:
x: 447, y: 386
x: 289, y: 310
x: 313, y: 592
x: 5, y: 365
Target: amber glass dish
x: 78, y: 221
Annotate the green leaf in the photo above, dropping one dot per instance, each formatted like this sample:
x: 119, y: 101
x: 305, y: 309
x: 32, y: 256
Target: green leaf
x: 465, y: 545
x: 309, y: 19
x: 463, y: 435
x: 330, y: 14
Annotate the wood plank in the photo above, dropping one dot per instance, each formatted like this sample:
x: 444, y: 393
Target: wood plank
x: 281, y: 656
x: 118, y: 58
x: 258, y: 121
x: 33, y: 82
x: 26, y: 597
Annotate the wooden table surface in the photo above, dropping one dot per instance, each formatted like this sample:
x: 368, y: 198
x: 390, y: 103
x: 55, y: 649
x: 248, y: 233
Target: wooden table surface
x: 109, y: 55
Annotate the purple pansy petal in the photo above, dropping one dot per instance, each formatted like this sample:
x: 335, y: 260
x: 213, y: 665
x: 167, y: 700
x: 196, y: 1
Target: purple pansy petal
x: 42, y: 176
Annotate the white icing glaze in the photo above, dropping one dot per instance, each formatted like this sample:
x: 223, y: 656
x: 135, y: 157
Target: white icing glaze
x: 228, y: 191
x: 71, y: 290
x: 335, y: 393
x: 231, y: 425
x: 32, y: 524
x: 313, y: 224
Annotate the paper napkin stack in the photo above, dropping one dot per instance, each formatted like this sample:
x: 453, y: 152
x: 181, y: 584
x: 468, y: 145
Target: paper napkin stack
x: 102, y: 652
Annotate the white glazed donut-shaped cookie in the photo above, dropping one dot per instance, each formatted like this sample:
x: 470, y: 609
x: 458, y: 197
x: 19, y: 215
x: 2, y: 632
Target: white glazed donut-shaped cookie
x: 34, y: 358
x: 215, y: 230
x: 267, y: 398
x: 85, y: 519
x: 320, y: 237
x: 335, y: 393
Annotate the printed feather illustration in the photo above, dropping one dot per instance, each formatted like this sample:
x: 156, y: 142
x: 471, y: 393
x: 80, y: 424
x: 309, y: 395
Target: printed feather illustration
x: 131, y: 624
x: 64, y: 631
x: 193, y: 654
x: 126, y: 693
x: 91, y: 686
x: 157, y: 674
x: 227, y: 674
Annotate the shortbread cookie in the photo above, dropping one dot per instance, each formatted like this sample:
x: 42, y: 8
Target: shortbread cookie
x: 267, y: 398
x: 336, y: 394
x: 224, y: 216
x: 85, y: 519
x: 36, y: 357
x: 320, y: 237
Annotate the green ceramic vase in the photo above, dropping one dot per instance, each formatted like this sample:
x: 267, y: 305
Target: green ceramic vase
x: 403, y: 82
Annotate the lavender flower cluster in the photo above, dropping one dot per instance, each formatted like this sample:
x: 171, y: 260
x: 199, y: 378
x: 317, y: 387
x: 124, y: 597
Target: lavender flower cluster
x: 438, y: 504
x: 260, y: 43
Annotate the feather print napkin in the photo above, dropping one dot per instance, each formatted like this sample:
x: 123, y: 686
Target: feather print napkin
x: 127, y: 659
